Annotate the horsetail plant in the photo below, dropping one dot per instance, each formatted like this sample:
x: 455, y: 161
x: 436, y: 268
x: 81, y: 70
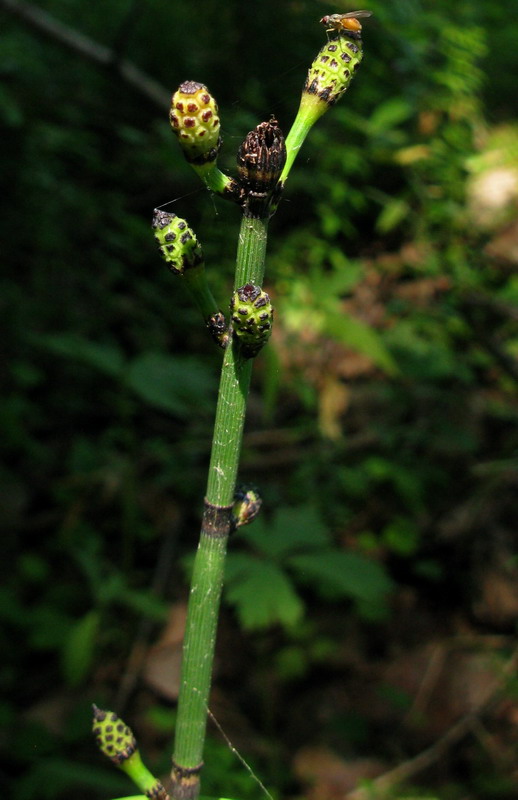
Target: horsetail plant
x: 264, y: 161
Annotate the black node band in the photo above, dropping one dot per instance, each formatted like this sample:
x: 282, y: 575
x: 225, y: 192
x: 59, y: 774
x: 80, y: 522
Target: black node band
x: 186, y: 772
x: 216, y: 520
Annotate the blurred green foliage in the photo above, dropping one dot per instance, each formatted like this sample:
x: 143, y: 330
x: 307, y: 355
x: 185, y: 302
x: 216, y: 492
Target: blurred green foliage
x: 295, y: 543
x: 383, y: 417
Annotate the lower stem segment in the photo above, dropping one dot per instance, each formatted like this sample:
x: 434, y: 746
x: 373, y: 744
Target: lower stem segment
x: 209, y: 564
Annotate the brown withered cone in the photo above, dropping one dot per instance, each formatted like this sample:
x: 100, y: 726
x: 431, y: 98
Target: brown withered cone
x: 260, y: 160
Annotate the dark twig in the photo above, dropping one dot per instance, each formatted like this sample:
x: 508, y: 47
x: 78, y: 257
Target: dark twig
x: 126, y: 28
x: 381, y: 787
x: 145, y: 627
x: 89, y: 49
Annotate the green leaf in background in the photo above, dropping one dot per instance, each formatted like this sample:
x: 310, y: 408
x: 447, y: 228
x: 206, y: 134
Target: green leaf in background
x: 104, y: 357
x: 143, y: 602
x: 343, y: 574
x: 261, y: 593
x: 424, y: 354
x: 394, y: 211
x: 401, y: 536
x: 297, y: 538
x: 314, y: 301
x: 47, y: 626
x: 389, y: 114
x: 359, y: 336
x: 290, y: 530
x: 51, y: 777
x: 177, y: 385
x: 79, y: 648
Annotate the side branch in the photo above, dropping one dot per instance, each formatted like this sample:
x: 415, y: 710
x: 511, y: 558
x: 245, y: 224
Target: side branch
x: 382, y: 786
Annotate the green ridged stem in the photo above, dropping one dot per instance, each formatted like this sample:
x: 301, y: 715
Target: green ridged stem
x: 207, y: 578
x: 214, y: 179
x: 143, y: 778
x: 195, y: 281
x: 328, y: 77
x: 310, y: 110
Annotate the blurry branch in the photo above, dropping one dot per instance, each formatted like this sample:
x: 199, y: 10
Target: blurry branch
x: 121, y: 41
x: 139, y: 648
x: 384, y: 785
x: 47, y: 25
x: 469, y: 723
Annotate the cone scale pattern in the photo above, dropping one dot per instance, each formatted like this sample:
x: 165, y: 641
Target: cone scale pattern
x: 333, y: 69
x: 260, y: 160
x: 114, y: 738
x: 177, y: 242
x: 252, y: 317
x: 195, y: 121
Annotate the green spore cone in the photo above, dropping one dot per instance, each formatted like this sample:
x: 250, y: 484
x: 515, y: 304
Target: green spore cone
x: 329, y: 76
x: 177, y: 242
x: 252, y: 318
x: 115, y: 740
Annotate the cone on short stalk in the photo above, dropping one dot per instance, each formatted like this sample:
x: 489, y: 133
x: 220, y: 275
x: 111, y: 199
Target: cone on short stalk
x: 329, y: 76
x: 116, y: 741
x: 182, y: 253
x: 114, y: 738
x: 194, y: 119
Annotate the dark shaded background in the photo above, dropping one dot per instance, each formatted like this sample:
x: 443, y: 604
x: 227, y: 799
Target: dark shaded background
x: 382, y: 415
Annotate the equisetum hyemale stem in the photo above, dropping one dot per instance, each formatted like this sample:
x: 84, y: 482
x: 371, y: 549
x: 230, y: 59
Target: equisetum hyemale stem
x: 260, y: 161
x: 263, y: 163
x: 208, y: 570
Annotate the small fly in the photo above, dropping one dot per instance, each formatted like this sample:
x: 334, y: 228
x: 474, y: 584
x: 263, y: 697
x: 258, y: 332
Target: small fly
x: 345, y: 22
